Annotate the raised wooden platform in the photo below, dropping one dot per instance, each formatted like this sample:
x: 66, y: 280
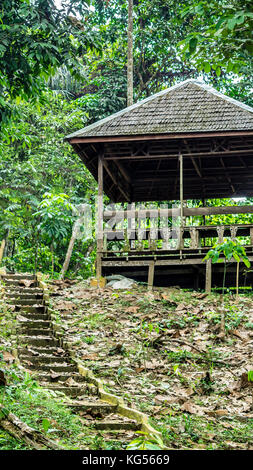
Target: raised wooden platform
x: 187, y: 272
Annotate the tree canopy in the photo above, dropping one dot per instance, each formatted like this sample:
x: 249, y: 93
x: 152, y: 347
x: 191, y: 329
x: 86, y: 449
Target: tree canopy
x: 37, y: 37
x: 221, y: 35
x: 64, y: 65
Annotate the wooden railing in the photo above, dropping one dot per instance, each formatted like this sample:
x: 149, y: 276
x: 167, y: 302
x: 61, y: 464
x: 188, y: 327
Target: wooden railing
x: 188, y: 212
x: 151, y: 230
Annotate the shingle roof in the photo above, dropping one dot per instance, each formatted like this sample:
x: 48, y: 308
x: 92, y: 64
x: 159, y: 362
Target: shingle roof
x: 189, y: 106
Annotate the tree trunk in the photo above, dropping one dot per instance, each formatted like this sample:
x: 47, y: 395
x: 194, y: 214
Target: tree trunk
x: 130, y: 54
x: 5, y: 251
x: 2, y: 250
x: 69, y: 250
x: 52, y: 259
x: 20, y: 430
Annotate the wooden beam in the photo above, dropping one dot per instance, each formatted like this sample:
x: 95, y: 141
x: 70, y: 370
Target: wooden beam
x: 123, y: 171
x: 196, y: 167
x: 233, y: 170
x: 193, y: 232
x: 188, y: 211
x: 212, y: 179
x: 160, y: 195
x: 185, y: 154
x: 100, y: 216
x: 110, y: 173
x: 227, y: 175
x: 192, y: 159
x: 130, y: 138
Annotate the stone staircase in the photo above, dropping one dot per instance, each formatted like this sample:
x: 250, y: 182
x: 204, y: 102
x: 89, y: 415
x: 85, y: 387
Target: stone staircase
x: 41, y: 354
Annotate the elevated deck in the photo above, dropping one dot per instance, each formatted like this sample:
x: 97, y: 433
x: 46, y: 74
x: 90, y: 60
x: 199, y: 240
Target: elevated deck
x: 173, y: 255
x: 186, y: 143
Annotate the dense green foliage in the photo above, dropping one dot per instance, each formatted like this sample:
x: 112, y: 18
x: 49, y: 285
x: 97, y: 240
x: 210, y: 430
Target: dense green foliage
x: 221, y: 35
x: 44, y: 410
x: 36, y: 37
x: 64, y: 67
x: 35, y: 162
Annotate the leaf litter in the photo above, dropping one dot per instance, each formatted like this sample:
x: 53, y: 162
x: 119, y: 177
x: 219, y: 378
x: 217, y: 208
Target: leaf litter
x: 162, y: 352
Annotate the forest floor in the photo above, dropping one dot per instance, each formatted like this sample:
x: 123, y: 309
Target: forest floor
x: 44, y: 410
x: 166, y: 354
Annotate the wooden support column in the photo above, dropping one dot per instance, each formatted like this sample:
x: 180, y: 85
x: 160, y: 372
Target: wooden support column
x: 151, y: 272
x: 208, y: 276
x: 131, y: 226
x: 181, y: 241
x: 100, y: 217
x: 181, y: 189
x: 251, y: 236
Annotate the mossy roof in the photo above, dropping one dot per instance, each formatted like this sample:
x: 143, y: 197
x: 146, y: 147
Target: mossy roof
x: 190, y: 106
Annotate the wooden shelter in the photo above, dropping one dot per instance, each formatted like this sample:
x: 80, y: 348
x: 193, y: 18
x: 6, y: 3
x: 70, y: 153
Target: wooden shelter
x: 186, y: 143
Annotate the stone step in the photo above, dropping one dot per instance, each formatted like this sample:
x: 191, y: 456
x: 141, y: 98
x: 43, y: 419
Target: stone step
x: 25, y: 297
x: 72, y: 391
x: 67, y: 317
x: 18, y: 283
x: 26, y: 276
x: 61, y: 378
x: 54, y: 366
x: 38, y: 340
x: 34, y: 323
x: 49, y: 364
x: 41, y: 352
x: 117, y: 425
x: 34, y: 316
x: 29, y: 309
x: 92, y: 407
x: 26, y: 302
x: 42, y: 331
x: 24, y: 290
x: 44, y: 359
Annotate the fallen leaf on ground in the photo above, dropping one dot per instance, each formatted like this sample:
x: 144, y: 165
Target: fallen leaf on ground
x: 8, y: 357
x: 192, y: 408
x: 217, y: 413
x: 242, y: 336
x: 133, y: 309
x: 90, y: 357
x: 54, y: 375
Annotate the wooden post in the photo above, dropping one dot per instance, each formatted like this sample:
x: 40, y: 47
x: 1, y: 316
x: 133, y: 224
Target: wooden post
x: 194, y: 233
x: 220, y: 232
x: 251, y: 236
x: 181, y: 243
x: 208, y: 276
x: 131, y: 225
x: 100, y: 217
x: 204, y: 222
x: 237, y: 279
x: 151, y: 271
x: 181, y: 189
